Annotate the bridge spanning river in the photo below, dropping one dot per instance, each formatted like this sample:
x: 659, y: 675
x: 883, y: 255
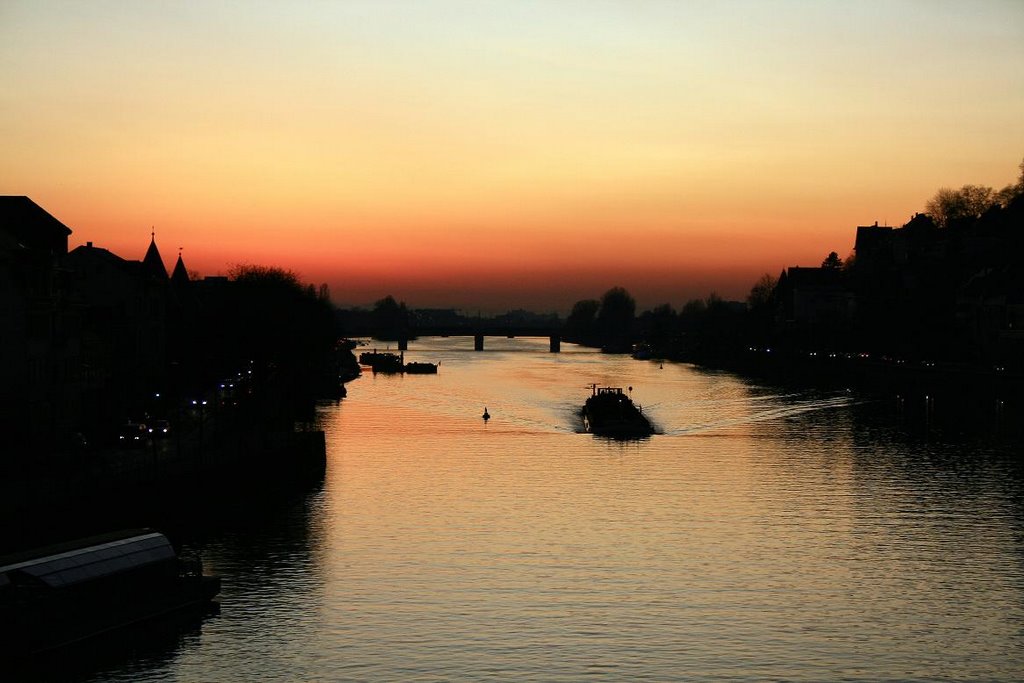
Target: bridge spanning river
x: 487, y: 329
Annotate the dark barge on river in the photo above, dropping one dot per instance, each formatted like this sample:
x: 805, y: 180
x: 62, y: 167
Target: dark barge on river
x: 77, y: 592
x: 384, y: 362
x: 394, y: 364
x: 421, y: 368
x: 610, y: 412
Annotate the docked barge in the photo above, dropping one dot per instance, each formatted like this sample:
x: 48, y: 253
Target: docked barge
x: 67, y: 594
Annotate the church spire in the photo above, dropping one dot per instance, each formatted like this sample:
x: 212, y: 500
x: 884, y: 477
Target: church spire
x: 180, y: 275
x: 153, y: 263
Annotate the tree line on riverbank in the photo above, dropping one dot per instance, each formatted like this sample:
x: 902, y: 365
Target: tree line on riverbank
x: 266, y: 316
x: 947, y: 286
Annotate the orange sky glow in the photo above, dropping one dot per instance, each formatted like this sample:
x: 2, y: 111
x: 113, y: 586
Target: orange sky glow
x: 495, y: 155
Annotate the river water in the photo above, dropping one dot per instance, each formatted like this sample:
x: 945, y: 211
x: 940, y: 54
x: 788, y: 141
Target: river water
x: 761, y: 534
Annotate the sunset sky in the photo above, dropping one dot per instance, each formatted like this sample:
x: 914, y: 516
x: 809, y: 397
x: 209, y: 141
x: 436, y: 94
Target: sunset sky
x: 491, y: 155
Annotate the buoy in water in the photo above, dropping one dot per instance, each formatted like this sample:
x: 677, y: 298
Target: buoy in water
x: 487, y: 416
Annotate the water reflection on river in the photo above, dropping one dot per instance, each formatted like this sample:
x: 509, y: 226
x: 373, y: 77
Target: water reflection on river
x: 760, y: 535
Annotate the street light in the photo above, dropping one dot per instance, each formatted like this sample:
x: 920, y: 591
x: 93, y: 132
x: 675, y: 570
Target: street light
x: 200, y: 404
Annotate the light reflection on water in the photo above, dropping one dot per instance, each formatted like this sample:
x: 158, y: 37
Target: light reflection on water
x: 761, y: 534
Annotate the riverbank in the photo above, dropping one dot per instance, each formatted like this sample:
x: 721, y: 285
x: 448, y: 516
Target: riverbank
x: 866, y: 372
x: 928, y: 398
x: 242, y: 439
x: 103, y: 489
x: 225, y: 445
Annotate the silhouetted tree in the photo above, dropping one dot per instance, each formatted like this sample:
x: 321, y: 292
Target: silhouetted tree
x: 391, y: 319
x: 761, y: 304
x: 712, y: 329
x: 691, y: 315
x: 264, y: 318
x: 580, y: 325
x: 832, y: 261
x: 950, y: 208
x: 659, y: 327
x: 274, y: 317
x: 615, y: 319
x: 269, y: 278
x: 762, y: 294
x: 714, y: 302
x: 1008, y: 194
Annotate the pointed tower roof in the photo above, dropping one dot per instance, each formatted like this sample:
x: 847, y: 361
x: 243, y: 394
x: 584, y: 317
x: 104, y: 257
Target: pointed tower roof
x: 152, y: 263
x: 180, y: 275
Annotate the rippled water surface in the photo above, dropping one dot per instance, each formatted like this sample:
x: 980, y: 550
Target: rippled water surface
x: 761, y: 534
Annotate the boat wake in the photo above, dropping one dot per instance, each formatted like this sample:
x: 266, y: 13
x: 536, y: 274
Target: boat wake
x: 769, y: 413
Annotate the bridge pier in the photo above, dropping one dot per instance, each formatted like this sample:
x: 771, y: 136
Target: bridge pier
x: 403, y: 344
x: 555, y: 343
x: 478, y: 342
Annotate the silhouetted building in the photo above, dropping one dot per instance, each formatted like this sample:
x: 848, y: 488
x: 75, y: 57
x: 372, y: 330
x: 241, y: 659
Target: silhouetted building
x: 84, y: 333
x: 815, y: 307
x: 152, y: 263
x: 990, y: 307
x: 892, y: 255
x: 123, y: 305
x: 36, y: 349
x: 32, y: 228
x: 905, y: 283
x: 875, y: 242
x: 179, y: 278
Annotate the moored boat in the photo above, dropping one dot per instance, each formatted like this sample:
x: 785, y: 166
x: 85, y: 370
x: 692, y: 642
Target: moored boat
x: 610, y: 412
x: 392, y: 363
x: 421, y: 368
x: 70, y: 593
x: 381, y: 361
